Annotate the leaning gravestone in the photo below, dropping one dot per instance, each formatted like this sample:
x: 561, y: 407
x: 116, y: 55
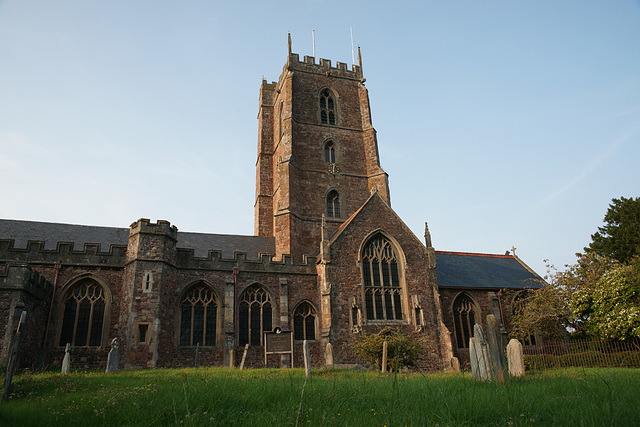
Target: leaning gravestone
x: 328, y: 355
x: 496, y: 352
x: 479, y: 355
x: 113, y: 361
x: 66, y: 362
x: 515, y: 358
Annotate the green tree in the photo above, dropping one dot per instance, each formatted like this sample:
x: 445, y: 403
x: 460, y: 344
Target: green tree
x: 612, y: 307
x: 548, y: 311
x: 619, y: 237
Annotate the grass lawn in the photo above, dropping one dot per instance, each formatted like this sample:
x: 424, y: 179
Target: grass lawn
x: 215, y: 396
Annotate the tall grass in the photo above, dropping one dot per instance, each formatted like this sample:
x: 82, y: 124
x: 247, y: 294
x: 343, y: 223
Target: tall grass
x: 210, y: 396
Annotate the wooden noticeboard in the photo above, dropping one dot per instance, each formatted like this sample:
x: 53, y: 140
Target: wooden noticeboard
x: 278, y: 342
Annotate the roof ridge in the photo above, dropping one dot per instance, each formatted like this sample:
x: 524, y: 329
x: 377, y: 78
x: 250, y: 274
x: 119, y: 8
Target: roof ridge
x: 478, y: 254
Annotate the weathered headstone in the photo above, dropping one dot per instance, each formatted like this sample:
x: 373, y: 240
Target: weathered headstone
x: 385, y: 348
x: 479, y: 355
x: 328, y: 355
x: 113, y: 360
x: 13, y: 354
x: 455, y: 364
x: 232, y: 358
x: 307, y: 360
x: 515, y: 358
x: 496, y: 352
x: 66, y: 362
x: 244, y: 356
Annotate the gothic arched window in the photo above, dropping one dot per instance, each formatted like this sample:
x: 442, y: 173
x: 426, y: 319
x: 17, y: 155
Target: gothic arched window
x: 333, y: 204
x: 84, y: 314
x: 327, y: 108
x: 330, y: 152
x: 254, y: 315
x: 382, y: 288
x: 464, y: 318
x: 304, y: 322
x: 198, y: 316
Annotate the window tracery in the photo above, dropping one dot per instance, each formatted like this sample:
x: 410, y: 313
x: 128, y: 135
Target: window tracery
x: 333, y: 204
x: 327, y: 108
x: 382, y: 288
x: 84, y: 314
x: 304, y: 322
x: 464, y: 318
x: 198, y: 316
x: 254, y: 315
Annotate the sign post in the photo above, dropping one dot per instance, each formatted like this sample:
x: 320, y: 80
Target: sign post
x: 278, y: 342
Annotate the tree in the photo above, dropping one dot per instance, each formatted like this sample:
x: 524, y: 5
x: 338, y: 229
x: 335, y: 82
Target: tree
x: 547, y: 311
x: 612, y: 307
x: 403, y: 348
x: 619, y: 238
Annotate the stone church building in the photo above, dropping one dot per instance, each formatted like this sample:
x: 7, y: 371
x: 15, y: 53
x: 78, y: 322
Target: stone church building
x: 329, y: 260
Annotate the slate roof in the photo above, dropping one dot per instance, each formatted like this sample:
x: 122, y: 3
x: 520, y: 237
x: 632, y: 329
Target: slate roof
x: 483, y: 271
x: 52, y: 233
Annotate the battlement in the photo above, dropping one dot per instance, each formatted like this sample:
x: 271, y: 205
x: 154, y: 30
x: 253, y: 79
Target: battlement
x: 264, y: 263
x: 23, y: 278
x: 144, y: 225
x: 64, y: 253
x: 323, y: 67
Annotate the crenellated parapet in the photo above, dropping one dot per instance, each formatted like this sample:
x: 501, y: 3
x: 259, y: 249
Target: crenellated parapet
x: 15, y: 277
x: 264, y: 263
x: 323, y: 66
x: 90, y: 254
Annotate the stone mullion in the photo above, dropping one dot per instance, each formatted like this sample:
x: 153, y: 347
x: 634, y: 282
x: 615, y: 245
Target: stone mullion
x: 75, y: 323
x: 88, y: 341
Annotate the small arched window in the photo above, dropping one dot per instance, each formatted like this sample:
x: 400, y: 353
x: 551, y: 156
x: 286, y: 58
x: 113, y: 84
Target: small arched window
x: 254, y: 315
x: 84, y: 314
x: 464, y: 318
x: 198, y: 316
x: 330, y: 152
x: 382, y: 287
x: 304, y: 322
x: 327, y: 108
x: 333, y: 204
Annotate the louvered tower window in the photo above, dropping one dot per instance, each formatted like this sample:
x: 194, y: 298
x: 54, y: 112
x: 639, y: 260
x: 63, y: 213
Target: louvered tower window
x: 333, y: 204
x: 327, y: 108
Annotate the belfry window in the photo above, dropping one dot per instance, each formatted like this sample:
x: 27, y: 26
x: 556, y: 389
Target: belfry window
x: 329, y: 152
x: 464, y: 318
x: 381, y: 276
x: 84, y: 313
x: 327, y: 108
x: 304, y: 322
x: 198, y: 316
x: 254, y: 315
x: 333, y: 204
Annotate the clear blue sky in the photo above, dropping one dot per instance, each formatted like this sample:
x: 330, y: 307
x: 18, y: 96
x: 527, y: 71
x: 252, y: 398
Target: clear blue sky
x: 500, y: 123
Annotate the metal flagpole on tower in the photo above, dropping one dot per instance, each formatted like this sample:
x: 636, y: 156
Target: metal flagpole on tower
x: 353, y: 58
x: 313, y: 37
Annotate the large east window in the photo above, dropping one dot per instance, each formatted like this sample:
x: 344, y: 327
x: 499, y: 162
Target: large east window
x: 382, y: 288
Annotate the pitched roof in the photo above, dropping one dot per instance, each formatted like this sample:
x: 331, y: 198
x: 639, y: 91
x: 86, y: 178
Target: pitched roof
x: 52, y: 233
x: 484, y: 271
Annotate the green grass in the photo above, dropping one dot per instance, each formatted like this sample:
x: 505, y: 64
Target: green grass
x: 210, y: 396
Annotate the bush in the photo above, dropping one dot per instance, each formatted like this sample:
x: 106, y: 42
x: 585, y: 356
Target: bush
x: 404, y: 349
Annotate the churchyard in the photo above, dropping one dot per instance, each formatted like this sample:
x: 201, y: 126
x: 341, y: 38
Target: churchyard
x: 219, y: 396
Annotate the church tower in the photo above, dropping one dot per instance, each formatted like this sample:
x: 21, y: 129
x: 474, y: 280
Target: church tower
x: 317, y: 153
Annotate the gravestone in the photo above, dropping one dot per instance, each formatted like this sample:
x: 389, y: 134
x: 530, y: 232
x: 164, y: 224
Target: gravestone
x: 479, y: 355
x: 244, y: 356
x: 307, y: 360
x: 113, y: 360
x: 496, y: 352
x: 13, y: 354
x: 66, y: 362
x: 515, y: 358
x: 455, y: 364
x: 385, y: 348
x: 328, y: 355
